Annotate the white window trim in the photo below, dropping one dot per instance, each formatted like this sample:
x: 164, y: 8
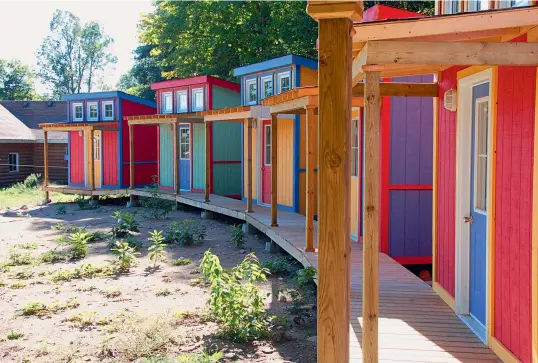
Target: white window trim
x: 265, y: 144
x: 178, y: 109
x: 182, y: 143
x: 88, y: 105
x: 16, y: 163
x: 478, y: 102
x: 248, y: 82
x: 193, y: 95
x: 263, y: 81
x: 104, y: 113
x: 279, y: 77
x: 75, y: 105
x: 163, y: 103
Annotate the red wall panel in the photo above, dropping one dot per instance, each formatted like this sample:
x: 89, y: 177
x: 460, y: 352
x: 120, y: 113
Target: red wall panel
x: 76, y: 157
x: 513, y: 195
x: 110, y: 158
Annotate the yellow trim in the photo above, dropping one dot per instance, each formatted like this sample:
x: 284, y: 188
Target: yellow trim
x: 437, y: 78
x: 469, y: 71
x: 502, y: 352
x: 443, y: 294
x: 534, y: 270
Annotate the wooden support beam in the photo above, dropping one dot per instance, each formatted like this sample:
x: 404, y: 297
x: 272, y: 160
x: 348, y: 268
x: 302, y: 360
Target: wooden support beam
x: 207, y: 161
x: 175, y: 150
x: 311, y: 125
x: 370, y: 277
x: 274, y: 170
x: 334, y: 177
x: 534, y: 264
x: 435, y: 180
x: 46, y: 164
x: 402, y: 89
x: 92, y: 161
x: 249, y: 164
x: 131, y: 157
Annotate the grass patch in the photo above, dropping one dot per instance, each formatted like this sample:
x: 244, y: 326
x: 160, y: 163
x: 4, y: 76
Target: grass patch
x: 22, y: 275
x: 88, y: 271
x: 38, y: 308
x: 182, y: 261
x: 17, y: 285
x: 27, y: 246
x: 163, y: 292
x: 19, y: 258
x: 53, y: 256
x: 111, y: 292
x: 16, y: 196
x: 83, y: 320
x: 14, y: 335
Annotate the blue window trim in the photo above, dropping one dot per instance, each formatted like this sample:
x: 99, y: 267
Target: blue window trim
x: 296, y: 142
x: 262, y: 76
x: 88, y: 104
x: 291, y: 71
x: 287, y: 60
x: 120, y: 145
x: 246, y: 94
x: 108, y: 94
x: 102, y: 104
x: 73, y: 104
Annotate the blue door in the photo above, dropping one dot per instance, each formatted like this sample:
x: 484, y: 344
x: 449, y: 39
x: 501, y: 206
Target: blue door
x: 185, y: 157
x: 479, y: 203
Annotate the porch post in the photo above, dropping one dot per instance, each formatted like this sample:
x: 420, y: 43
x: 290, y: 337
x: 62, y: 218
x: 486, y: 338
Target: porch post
x: 207, y: 161
x: 131, y: 157
x: 370, y: 276
x: 249, y: 164
x: 92, y: 162
x: 46, y: 164
x: 310, y: 178
x: 175, y: 150
x: 274, y: 170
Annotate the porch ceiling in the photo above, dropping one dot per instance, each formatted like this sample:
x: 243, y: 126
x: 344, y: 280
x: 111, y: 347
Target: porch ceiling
x: 191, y: 117
x: 236, y: 114
x: 102, y: 126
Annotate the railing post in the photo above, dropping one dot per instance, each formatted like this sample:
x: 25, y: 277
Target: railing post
x: 274, y: 170
x: 207, y: 161
x: 92, y: 161
x: 175, y: 167
x: 249, y: 164
x: 46, y: 164
x: 131, y: 157
x: 311, y: 126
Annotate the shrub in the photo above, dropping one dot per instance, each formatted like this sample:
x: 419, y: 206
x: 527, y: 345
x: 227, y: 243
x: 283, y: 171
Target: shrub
x: 282, y: 266
x: 88, y: 271
x: 84, y: 204
x: 19, y: 258
x: 22, y: 275
x: 14, y: 335
x: 83, y: 320
x: 27, y: 246
x: 155, y: 207
x: 34, y: 308
x: 126, y: 256
x: 52, y: 256
x: 163, y: 292
x: 182, y: 261
x: 32, y: 181
x: 125, y: 224
x: 78, y: 242
x: 305, y: 277
x: 238, y: 236
x: 156, y: 250
x: 185, y: 233
x: 17, y: 285
x: 234, y: 299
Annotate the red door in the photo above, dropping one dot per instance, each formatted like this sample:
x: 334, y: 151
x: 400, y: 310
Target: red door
x: 266, y: 162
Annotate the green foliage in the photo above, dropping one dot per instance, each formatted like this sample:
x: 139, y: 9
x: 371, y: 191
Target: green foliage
x: 126, y: 256
x: 154, y: 206
x: 203, y: 357
x: 67, y: 228
x: 84, y: 204
x: 78, y: 244
x: 185, y: 233
x: 182, y: 261
x: 34, y: 307
x: 156, y: 250
x: 60, y: 210
x: 238, y: 236
x: 305, y: 276
x: 163, y: 292
x: 83, y: 320
x: 16, y: 81
x: 282, y: 266
x: 19, y: 258
x: 22, y: 275
x: 88, y: 271
x: 52, y: 256
x: 27, y: 246
x: 234, y: 299
x: 14, y: 335
x: 125, y: 224
x: 17, y: 285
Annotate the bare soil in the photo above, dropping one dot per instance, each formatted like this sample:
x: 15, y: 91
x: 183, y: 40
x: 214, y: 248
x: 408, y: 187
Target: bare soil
x: 51, y: 338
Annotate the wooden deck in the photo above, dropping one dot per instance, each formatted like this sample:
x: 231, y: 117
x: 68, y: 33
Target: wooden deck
x: 415, y: 325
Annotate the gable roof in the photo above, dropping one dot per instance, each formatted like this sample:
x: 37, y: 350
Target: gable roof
x: 12, y: 129
x: 108, y: 94
x: 196, y: 80
x: 287, y: 60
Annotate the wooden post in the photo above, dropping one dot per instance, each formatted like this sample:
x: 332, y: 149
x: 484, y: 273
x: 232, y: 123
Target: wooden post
x: 249, y: 165
x: 92, y: 162
x: 46, y: 164
x: 310, y: 178
x: 207, y: 161
x: 370, y: 277
x: 274, y: 170
x: 175, y: 150
x: 131, y: 157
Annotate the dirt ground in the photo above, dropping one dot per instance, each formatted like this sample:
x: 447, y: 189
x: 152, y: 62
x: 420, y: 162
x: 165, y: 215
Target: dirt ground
x: 52, y: 338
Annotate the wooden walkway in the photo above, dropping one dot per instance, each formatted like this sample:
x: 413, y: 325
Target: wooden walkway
x: 415, y: 325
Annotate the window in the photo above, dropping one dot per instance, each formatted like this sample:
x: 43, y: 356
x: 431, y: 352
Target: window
x: 182, y: 105
x: 268, y: 141
x: 481, y: 154
x: 184, y: 143
x: 477, y: 5
x: 284, y: 82
x: 513, y: 3
x: 108, y: 110
x: 451, y: 6
x: 251, y: 96
x: 166, y: 103
x: 267, y: 87
x: 198, y: 99
x: 78, y: 112
x: 13, y: 162
x: 96, y: 147
x: 92, y: 111
x: 355, y: 147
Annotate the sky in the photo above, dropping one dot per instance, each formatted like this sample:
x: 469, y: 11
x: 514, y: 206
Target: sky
x: 24, y: 24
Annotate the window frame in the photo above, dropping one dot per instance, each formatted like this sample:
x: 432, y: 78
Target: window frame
x: 279, y: 77
x: 178, y: 103
x: 164, y: 95
x: 264, y: 80
x: 355, y: 124
x: 479, y: 102
x: 268, y: 144
x: 195, y: 91
x: 97, y: 147
x: 74, y: 107
x: 248, y: 82
x: 451, y: 7
x: 88, y: 110
x: 9, y: 163
x: 181, y: 143
x: 103, y: 115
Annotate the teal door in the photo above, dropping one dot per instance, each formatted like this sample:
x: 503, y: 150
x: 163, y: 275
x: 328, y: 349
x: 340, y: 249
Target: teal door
x: 185, y: 157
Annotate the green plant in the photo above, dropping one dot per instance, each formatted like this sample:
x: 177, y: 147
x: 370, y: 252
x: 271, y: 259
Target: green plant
x: 84, y: 204
x: 305, y: 277
x: 17, y: 285
x: 83, y: 320
x: 156, y: 250
x: 182, y: 261
x: 14, y: 335
x: 163, y: 292
x: 67, y: 228
x: 27, y: 246
x: 234, y: 299
x: 238, y: 236
x: 78, y: 242
x: 154, y: 206
x: 126, y: 256
x: 32, y: 181
x: 185, y: 233
x: 125, y: 224
x: 52, y: 256
x: 24, y: 215
x: 34, y: 307
x: 88, y: 271
x: 22, y: 275
x: 111, y: 292
x: 56, y: 306
x: 19, y: 258
x: 282, y: 266
x: 60, y: 210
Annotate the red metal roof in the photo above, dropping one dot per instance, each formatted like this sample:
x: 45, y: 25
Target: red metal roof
x: 196, y: 80
x: 383, y: 12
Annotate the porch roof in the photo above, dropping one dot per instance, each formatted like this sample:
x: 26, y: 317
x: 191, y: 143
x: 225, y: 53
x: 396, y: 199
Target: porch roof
x: 191, y: 117
x: 82, y: 126
x: 236, y: 114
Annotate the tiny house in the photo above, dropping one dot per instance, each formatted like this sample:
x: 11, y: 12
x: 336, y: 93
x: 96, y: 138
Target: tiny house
x: 178, y: 102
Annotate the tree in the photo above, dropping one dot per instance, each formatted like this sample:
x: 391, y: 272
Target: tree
x: 73, y: 54
x: 16, y: 81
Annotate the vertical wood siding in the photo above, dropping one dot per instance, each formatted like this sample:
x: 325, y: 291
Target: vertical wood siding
x: 285, y: 162
x: 166, y: 157
x: 110, y: 158
x: 254, y: 159
x: 227, y: 157
x: 198, y: 154
x: 302, y: 163
x: 76, y: 158
x: 513, y: 195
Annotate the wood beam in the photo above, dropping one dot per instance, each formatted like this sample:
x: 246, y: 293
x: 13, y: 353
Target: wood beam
x: 274, y: 170
x: 334, y: 175
x: 92, y: 162
x: 207, y: 188
x: 534, y: 248
x: 311, y: 124
x: 249, y: 164
x: 131, y: 157
x: 402, y: 89
x: 435, y: 180
x: 370, y: 277
x: 46, y: 164
x: 175, y: 151
x: 335, y: 9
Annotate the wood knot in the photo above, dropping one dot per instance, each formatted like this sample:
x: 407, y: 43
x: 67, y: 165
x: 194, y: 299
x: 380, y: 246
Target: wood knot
x: 332, y: 159
x: 322, y: 60
x: 372, y: 316
x: 370, y: 208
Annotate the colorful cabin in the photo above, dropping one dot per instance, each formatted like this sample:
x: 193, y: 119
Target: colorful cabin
x: 98, y: 139
x: 178, y: 102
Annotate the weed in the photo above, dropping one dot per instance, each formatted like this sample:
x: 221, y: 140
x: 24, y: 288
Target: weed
x: 19, y: 258
x: 155, y: 207
x: 305, y: 276
x: 34, y: 308
x: 163, y: 292
x: 281, y: 266
x: 199, y: 281
x: 185, y: 233
x: 203, y: 357
x: 86, y: 288
x: 97, y: 236
x: 156, y: 250
x: 196, y: 271
x: 88, y: 271
x: 2, y: 283
x: 24, y: 215
x: 27, y: 246
x: 17, y: 285
x: 67, y: 228
x: 84, y: 204
x: 111, y: 292
x: 238, y: 236
x: 234, y: 299
x: 78, y: 243
x: 182, y: 261
x: 56, y: 306
x: 125, y: 224
x: 126, y: 256
x: 52, y: 256
x: 22, y: 275
x: 60, y: 210
x: 83, y: 320
x: 14, y: 335
x: 32, y: 181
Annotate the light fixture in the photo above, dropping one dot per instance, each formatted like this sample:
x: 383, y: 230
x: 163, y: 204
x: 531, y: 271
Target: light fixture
x: 450, y: 100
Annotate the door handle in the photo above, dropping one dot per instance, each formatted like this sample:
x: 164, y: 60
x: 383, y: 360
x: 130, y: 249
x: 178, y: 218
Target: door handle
x: 469, y: 219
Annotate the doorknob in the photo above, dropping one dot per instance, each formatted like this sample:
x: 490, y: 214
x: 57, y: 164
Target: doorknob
x: 469, y: 219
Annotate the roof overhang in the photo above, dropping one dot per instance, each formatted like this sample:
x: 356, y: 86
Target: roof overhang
x: 100, y: 126
x: 191, y: 117
x: 236, y: 114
